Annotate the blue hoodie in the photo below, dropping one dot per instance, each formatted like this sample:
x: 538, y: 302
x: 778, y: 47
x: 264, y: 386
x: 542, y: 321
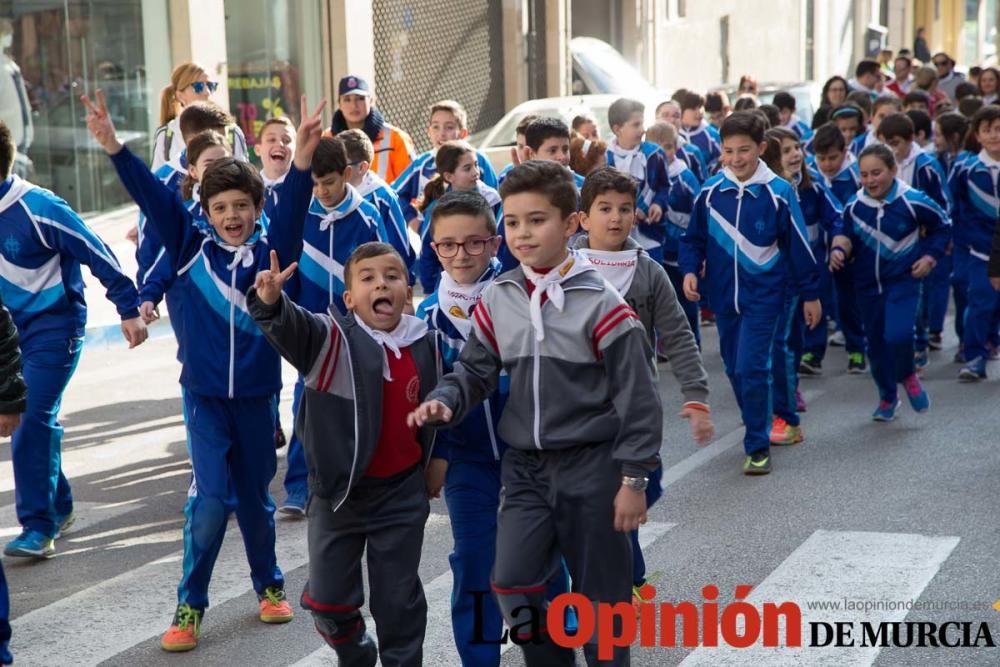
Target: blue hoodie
x: 708, y: 140
x: 753, y: 240
x: 889, y: 235
x: 977, y: 195
x: 221, y: 349
x: 44, y: 243
x: 922, y: 172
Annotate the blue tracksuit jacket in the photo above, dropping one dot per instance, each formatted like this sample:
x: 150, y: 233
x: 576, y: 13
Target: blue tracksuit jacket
x: 378, y: 193
x: 707, y: 139
x: 922, y: 172
x: 409, y: 185
x: 976, y: 194
x: 846, y: 183
x: 647, y: 164
x: 694, y: 158
x: 684, y: 188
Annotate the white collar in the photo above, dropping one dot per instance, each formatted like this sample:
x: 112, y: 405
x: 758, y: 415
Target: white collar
x: 616, y: 266
x: 456, y: 301
x: 18, y: 188
x: 551, y: 284
x: 270, y: 183
x: 985, y: 158
x: 409, y: 330
x: 350, y: 203
x: 761, y: 176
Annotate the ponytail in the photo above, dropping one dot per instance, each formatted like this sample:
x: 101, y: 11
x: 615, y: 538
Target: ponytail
x: 168, y: 108
x: 445, y: 162
x: 183, y: 76
x: 434, y: 190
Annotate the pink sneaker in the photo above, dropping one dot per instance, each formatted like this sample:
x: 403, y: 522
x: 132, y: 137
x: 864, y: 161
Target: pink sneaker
x: 919, y: 400
x: 800, y: 403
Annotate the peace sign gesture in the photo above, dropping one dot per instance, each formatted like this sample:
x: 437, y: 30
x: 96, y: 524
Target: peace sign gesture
x: 308, y: 135
x: 99, y: 123
x: 270, y: 283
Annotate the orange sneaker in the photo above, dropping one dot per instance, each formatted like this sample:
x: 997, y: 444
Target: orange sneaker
x: 637, y: 598
x: 783, y: 433
x: 274, y: 608
x: 184, y: 630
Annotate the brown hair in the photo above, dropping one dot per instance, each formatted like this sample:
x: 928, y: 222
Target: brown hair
x: 201, y: 116
x: 455, y: 109
x: 231, y: 174
x: 584, y: 162
x: 358, y: 146
x: 277, y: 120
x: 183, y: 76
x: 445, y: 162
x: 199, y: 144
x: 545, y: 177
x: 368, y: 251
x: 772, y: 154
x: 661, y: 133
x: 7, y: 150
x: 606, y: 179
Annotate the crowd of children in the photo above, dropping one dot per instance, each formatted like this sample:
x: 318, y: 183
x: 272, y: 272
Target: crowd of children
x: 524, y: 383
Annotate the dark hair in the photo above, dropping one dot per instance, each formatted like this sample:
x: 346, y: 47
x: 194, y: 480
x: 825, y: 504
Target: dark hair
x: 200, y: 143
x: 965, y: 89
x: 445, y: 162
x: 828, y: 138
x: 772, y: 154
x: 848, y: 110
x: 605, y: 179
x: 522, y: 125
x: 825, y: 96
x: 784, y: 100
x: 916, y: 96
x: 581, y: 162
x: 745, y: 103
x: 545, y: 177
x: 582, y: 119
x: 942, y: 53
x: 743, y: 123
x: 889, y: 100
x: 921, y: 122
x: 330, y: 157
x: 988, y: 114
x: 679, y: 95
x: 954, y: 127
x: 896, y: 125
x: 231, y: 174
x: 691, y: 100
x: 968, y: 106
x: 464, y: 203
x: 821, y: 117
x: 544, y: 129
x: 622, y: 109
x: 866, y: 66
x: 714, y: 102
x: 861, y: 100
x: 7, y: 149
x: 200, y: 116
x: 773, y: 114
x: 760, y: 113
x: 882, y: 152
x: 368, y: 251
x: 975, y: 70
x: 358, y: 146
x: 904, y: 55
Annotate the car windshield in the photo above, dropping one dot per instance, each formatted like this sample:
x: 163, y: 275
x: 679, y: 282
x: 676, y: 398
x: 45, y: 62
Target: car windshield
x: 606, y: 72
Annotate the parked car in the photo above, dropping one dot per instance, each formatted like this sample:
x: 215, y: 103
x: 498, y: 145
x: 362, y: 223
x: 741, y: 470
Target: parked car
x: 599, y: 69
x: 806, y: 94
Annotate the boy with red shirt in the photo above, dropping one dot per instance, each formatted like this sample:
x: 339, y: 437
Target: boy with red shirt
x: 363, y: 373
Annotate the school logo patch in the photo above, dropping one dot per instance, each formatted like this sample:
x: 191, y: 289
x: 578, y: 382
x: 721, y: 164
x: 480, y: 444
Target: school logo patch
x: 413, y: 390
x: 12, y: 247
x: 455, y: 311
x: 564, y: 270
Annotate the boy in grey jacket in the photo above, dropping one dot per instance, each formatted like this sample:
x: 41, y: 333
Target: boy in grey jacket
x: 364, y: 373
x: 608, y: 216
x: 583, y: 420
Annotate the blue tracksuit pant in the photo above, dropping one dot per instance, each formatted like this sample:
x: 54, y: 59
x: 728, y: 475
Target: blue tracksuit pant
x: 849, y: 310
x: 785, y: 355
x: 745, y: 341
x: 653, y: 492
x: 936, y: 288
x: 960, y: 286
x: 42, y: 492
x: 297, y: 475
x: 232, y: 454
x: 889, y: 321
x: 690, y: 308
x: 814, y: 340
x: 982, y: 312
x: 5, y: 658
x: 921, y: 331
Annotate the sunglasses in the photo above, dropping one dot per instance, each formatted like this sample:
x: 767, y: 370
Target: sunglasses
x: 199, y: 86
x: 473, y: 247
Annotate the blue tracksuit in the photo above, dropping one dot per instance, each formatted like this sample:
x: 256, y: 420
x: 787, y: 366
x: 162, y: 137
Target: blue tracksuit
x: 646, y: 163
x: 823, y: 213
x: 694, y: 158
x: 44, y: 243
x: 409, y: 185
x: 684, y: 188
x: 378, y: 193
x: 707, y: 139
x: 977, y: 196
x: 428, y: 265
x: 862, y: 141
x: 755, y: 246
x: 959, y: 248
x: 799, y: 127
x: 229, y: 373
x: 888, y: 236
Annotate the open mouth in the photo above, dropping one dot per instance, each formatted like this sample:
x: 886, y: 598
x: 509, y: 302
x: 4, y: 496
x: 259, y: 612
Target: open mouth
x: 232, y: 229
x: 278, y: 155
x: 383, y: 307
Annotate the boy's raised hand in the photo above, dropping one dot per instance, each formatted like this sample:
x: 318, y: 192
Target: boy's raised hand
x: 429, y: 412
x: 99, y: 123
x: 308, y: 134
x: 270, y: 283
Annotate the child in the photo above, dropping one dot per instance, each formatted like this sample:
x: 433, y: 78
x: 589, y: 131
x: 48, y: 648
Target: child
x: 642, y: 160
x: 670, y: 112
x: 518, y: 151
x: 837, y: 169
x: 276, y: 149
x: 684, y: 188
x: 607, y: 215
x: 717, y: 108
x: 785, y: 102
x: 849, y: 121
x: 882, y: 107
x: 697, y: 131
x: 457, y: 169
x: 917, y: 99
x: 767, y: 253
x: 586, y: 126
x: 975, y: 189
x: 228, y: 372
x: 548, y: 139
x: 586, y: 439
x: 45, y: 242
x: 448, y: 122
x: 586, y: 155
x: 364, y: 372
x: 922, y: 130
x: 897, y: 234
x: 378, y: 193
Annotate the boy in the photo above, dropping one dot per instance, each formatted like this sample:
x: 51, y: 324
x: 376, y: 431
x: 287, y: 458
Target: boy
x: 449, y: 122
x: 607, y: 215
x: 923, y: 131
x: 45, y: 242
x: 518, y: 153
x: 229, y: 374
x: 670, y: 112
x: 747, y: 278
x: 867, y: 77
x: 643, y: 160
x: 552, y: 325
x: 785, y: 102
x: 717, y: 108
x: 276, y: 149
x: 837, y: 168
x: 548, y: 139
x: 377, y: 192
x: 883, y: 106
x: 364, y: 372
x: 697, y: 131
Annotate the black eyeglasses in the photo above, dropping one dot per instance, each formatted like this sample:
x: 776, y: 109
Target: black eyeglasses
x: 472, y: 247
x: 199, y: 86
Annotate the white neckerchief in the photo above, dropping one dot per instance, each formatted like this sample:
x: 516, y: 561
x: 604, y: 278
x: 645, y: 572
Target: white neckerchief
x: 18, y: 188
x: 676, y: 167
x: 269, y: 183
x: 351, y: 201
x: 551, y: 285
x: 242, y: 254
x: 409, y: 330
x: 628, y: 161
x: 368, y: 184
x: 907, y: 166
x: 617, y: 266
x: 196, y: 192
x: 456, y: 300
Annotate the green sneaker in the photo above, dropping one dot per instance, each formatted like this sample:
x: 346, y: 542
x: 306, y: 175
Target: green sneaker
x: 758, y: 463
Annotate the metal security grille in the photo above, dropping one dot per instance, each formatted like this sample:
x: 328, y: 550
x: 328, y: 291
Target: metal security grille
x: 438, y: 49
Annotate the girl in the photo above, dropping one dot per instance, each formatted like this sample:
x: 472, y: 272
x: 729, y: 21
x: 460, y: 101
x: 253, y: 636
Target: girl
x: 189, y: 82
x: 898, y: 235
x: 586, y: 155
x: 989, y: 85
x: 586, y: 126
x: 822, y: 214
x: 457, y: 169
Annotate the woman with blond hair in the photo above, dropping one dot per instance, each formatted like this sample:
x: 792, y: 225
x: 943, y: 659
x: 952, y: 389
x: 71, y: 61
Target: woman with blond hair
x: 189, y: 83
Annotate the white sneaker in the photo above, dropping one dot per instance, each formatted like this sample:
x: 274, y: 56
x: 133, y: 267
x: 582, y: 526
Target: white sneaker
x: 837, y: 339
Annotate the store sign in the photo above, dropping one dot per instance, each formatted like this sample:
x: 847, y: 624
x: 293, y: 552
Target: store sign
x: 253, y: 98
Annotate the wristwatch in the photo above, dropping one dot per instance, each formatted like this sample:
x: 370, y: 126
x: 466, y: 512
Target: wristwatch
x: 638, y: 484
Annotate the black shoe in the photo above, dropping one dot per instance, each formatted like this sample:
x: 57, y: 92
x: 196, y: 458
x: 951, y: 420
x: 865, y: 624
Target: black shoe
x: 856, y: 363
x: 279, y: 439
x: 935, y: 341
x: 810, y: 364
x: 758, y: 463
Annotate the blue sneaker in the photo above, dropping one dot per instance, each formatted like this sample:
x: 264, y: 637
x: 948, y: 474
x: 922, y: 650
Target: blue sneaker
x: 919, y: 400
x: 30, y: 544
x: 63, y: 523
x: 5, y: 657
x: 974, y: 371
x: 295, y: 504
x: 886, y: 411
x: 920, y: 360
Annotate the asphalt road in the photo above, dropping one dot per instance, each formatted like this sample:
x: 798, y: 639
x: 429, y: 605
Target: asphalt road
x: 860, y: 513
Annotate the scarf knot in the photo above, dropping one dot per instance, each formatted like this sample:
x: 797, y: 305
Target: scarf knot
x: 550, y: 284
